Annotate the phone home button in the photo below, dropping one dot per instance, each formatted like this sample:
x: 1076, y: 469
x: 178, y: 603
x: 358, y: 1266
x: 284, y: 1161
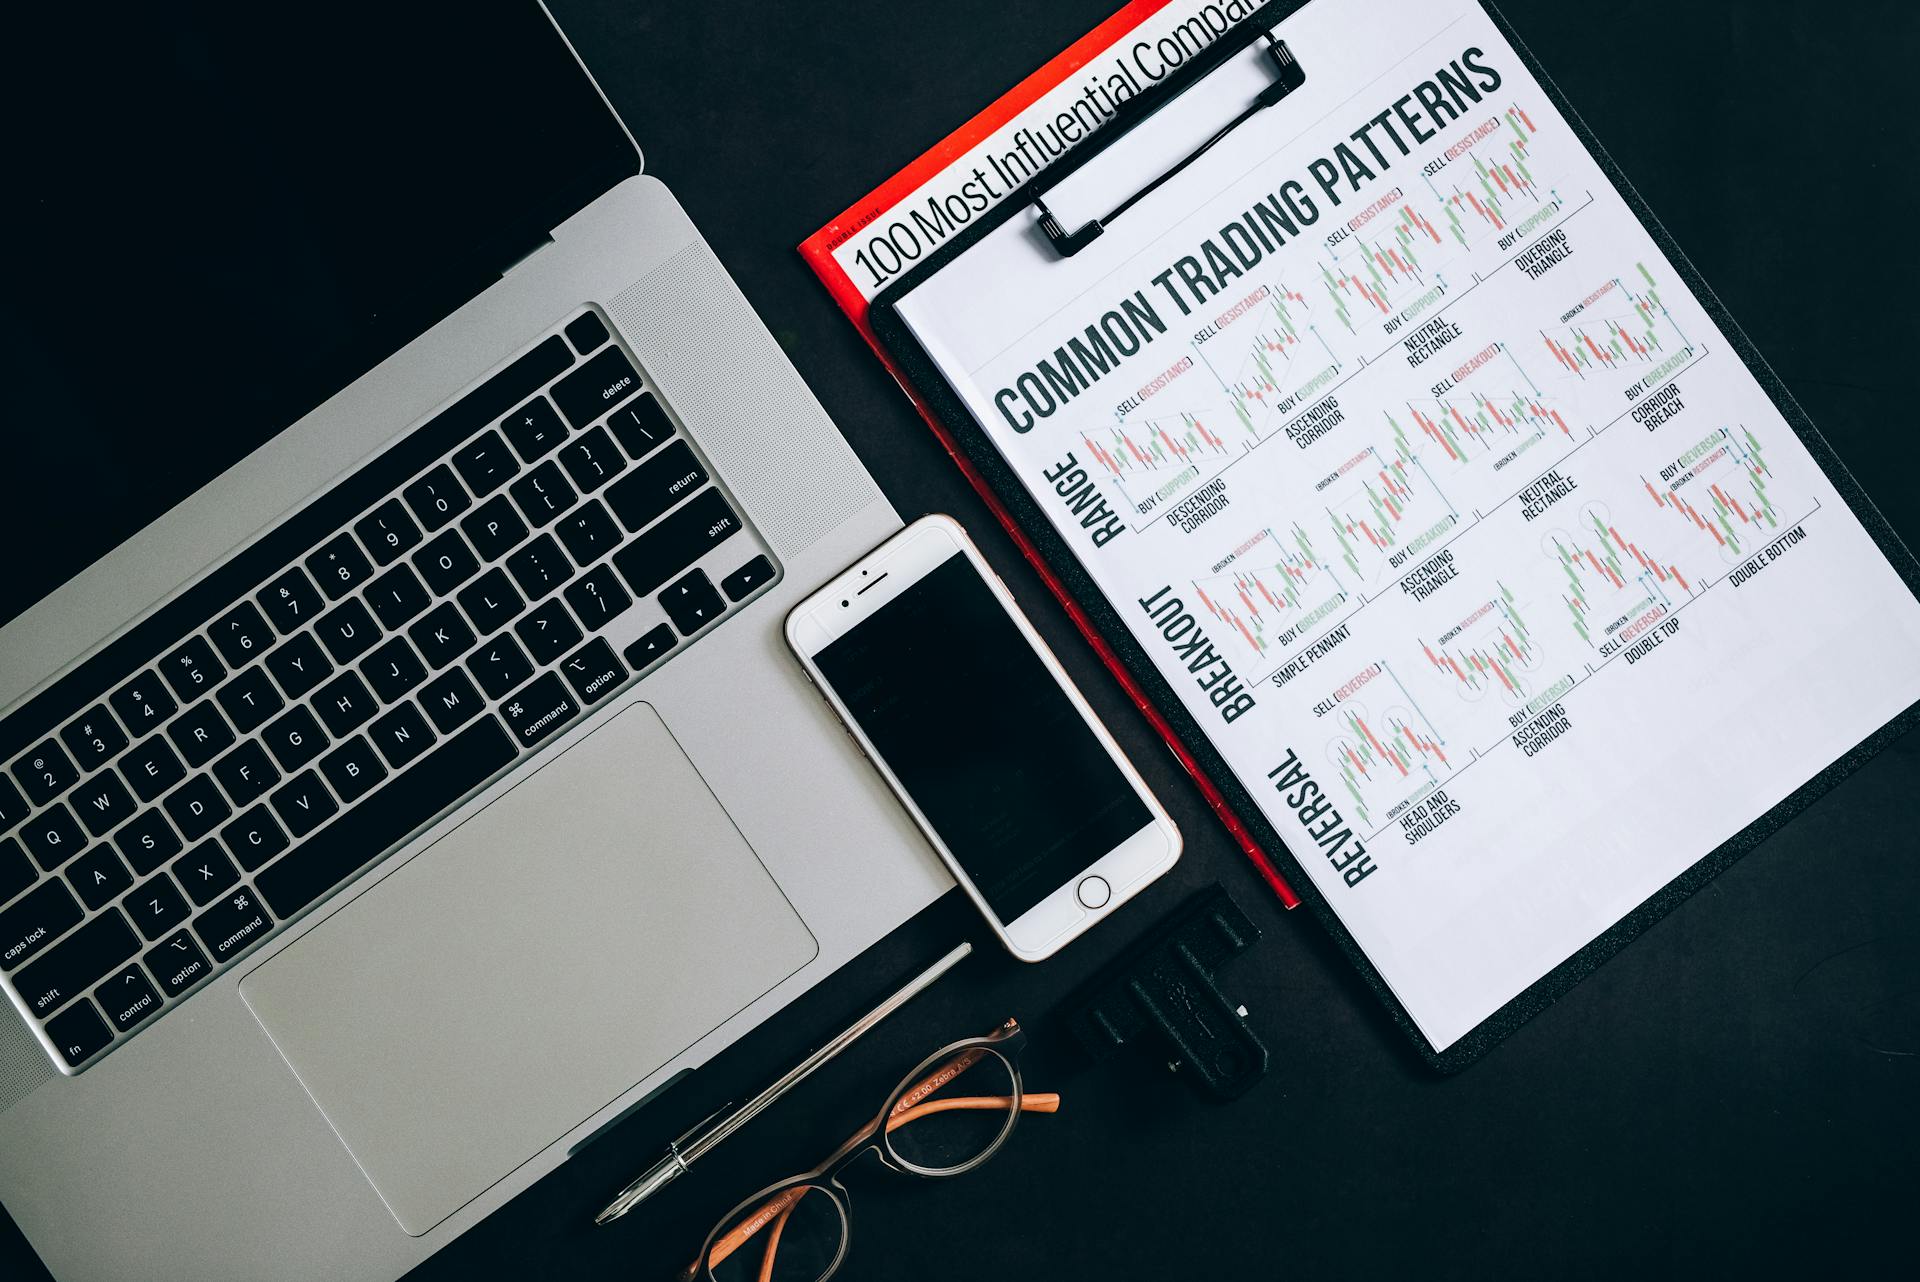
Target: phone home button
x: 1094, y: 892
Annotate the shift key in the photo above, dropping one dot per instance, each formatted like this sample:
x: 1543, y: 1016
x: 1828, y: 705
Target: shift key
x: 679, y: 539
x: 76, y: 963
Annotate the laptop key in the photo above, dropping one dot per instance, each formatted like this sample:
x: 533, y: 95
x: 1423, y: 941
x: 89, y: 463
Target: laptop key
x: 304, y: 804
x: 102, y: 803
x: 246, y: 773
x: 495, y: 529
x: 155, y: 906
x: 744, y: 580
x: 401, y: 735
x: 692, y: 603
x: 80, y: 1034
x: 365, y: 833
x: 76, y: 963
x: 353, y: 769
x: 149, y: 840
x: 200, y: 734
x: 650, y: 648
x: 241, y: 635
x: 446, y: 563
x: 294, y: 739
x: 593, y: 672
x: 491, y: 601
x: 548, y: 632
x: 344, y: 704
x: 393, y: 670
x: 13, y: 806
x: 347, y: 631
x: 52, y: 837
x: 388, y: 532
x: 680, y: 539
x: 540, y: 567
x: 16, y: 872
x: 249, y: 699
x: 98, y: 876
x: 534, y: 429
x: 543, y: 494
x: 485, y: 464
x: 442, y: 636
x: 291, y: 601
x: 34, y: 924
x: 128, y: 998
x: 196, y: 806
x: 177, y: 963
x: 339, y: 566
x: 436, y: 498
x: 152, y: 767
x: 142, y: 704
x: 639, y: 497
x: 543, y: 707
x: 397, y: 596
x: 592, y: 460
x: 641, y: 426
x: 499, y: 665
x: 192, y: 670
x: 235, y: 923
x: 45, y: 773
x: 597, y: 597
x: 299, y: 665
x: 93, y: 739
x: 589, y: 533
x: 205, y: 871
x: 451, y: 701
x: 586, y: 332
x: 596, y: 387
x: 252, y: 839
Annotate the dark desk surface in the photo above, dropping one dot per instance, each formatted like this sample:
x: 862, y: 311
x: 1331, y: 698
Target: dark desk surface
x: 1738, y: 1090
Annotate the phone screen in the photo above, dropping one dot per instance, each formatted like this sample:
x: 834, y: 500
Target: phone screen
x: 982, y: 737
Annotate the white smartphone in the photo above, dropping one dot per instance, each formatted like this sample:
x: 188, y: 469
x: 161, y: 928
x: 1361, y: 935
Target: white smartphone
x: 945, y: 685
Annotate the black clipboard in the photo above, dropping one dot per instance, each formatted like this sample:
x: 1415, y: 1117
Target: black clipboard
x: 944, y: 403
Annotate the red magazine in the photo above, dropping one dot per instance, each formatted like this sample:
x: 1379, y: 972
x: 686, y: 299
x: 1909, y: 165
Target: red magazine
x: 885, y: 233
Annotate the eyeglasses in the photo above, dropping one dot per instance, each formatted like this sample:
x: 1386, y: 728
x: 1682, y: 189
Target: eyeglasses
x: 926, y: 1129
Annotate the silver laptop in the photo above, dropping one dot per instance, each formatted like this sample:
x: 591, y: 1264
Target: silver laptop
x: 401, y: 771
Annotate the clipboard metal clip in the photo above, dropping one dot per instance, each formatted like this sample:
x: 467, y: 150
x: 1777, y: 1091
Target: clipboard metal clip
x: 1288, y: 76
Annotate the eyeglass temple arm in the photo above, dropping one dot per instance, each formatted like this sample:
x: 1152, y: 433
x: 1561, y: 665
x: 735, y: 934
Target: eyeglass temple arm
x: 776, y: 1208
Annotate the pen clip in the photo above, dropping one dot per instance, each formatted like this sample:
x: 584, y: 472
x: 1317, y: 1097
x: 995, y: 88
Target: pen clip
x: 698, y: 1128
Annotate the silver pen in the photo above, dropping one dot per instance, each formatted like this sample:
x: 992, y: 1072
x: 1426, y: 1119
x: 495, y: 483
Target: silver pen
x: 688, y: 1149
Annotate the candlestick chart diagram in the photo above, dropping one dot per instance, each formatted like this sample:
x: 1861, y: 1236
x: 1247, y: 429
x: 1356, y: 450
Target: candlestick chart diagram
x: 1385, y: 500
x: 1502, y: 187
x: 1282, y: 350
x: 1490, y: 427
x: 1610, y: 584
x: 1275, y: 580
x: 1387, y: 758
x: 1721, y: 488
x: 1369, y: 276
x: 1622, y: 330
x: 1491, y: 651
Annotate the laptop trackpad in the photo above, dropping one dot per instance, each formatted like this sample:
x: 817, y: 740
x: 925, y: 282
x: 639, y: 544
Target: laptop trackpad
x: 531, y: 965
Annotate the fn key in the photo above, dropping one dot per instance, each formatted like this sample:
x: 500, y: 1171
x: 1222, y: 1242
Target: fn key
x: 79, y: 1032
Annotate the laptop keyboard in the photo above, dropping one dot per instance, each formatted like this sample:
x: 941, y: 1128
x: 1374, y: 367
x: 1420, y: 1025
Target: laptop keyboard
x: 428, y: 622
